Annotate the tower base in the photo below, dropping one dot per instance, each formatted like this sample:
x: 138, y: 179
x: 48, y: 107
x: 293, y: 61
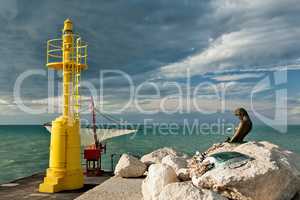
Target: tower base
x: 56, y: 183
x: 64, y: 172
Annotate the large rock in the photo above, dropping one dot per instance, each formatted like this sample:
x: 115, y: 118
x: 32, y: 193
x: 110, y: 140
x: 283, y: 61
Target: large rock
x: 179, y: 164
x: 175, y: 162
x: 159, y: 175
x: 186, y: 191
x: 129, y: 166
x: 272, y: 174
x: 157, y: 155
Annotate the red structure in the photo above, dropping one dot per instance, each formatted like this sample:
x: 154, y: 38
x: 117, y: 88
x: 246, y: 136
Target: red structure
x: 92, y: 153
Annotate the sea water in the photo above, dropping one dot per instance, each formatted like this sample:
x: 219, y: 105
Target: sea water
x: 24, y: 149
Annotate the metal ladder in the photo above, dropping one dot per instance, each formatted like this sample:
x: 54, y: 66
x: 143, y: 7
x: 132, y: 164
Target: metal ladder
x: 77, y: 78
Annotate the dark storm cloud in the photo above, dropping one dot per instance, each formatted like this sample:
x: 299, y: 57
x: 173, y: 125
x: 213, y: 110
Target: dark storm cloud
x: 246, y: 35
x: 133, y: 36
x: 140, y: 36
x: 150, y: 39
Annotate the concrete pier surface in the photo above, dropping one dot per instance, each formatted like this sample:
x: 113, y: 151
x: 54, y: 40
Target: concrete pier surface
x: 115, y: 188
x: 27, y: 188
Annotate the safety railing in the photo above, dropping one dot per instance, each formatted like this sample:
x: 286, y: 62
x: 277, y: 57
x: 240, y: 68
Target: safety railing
x: 78, y: 49
x: 78, y: 61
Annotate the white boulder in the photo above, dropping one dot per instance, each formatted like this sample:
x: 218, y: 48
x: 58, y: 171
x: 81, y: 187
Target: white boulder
x: 272, y: 174
x: 157, y: 155
x: 129, y: 166
x: 186, y: 191
x: 175, y: 162
x: 179, y: 164
x: 159, y: 175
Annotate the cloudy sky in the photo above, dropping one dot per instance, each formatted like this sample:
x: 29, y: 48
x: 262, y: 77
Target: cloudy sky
x: 217, y: 54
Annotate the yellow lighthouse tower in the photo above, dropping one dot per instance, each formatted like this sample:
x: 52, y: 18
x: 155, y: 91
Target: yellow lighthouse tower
x: 68, y: 54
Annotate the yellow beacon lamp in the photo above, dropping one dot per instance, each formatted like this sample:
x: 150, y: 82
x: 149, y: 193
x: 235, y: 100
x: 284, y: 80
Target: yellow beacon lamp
x: 68, y: 54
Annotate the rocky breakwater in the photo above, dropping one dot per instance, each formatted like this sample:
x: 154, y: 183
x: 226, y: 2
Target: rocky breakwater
x: 249, y: 171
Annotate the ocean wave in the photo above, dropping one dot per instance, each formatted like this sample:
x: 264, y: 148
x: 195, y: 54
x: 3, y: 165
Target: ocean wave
x: 6, y: 162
